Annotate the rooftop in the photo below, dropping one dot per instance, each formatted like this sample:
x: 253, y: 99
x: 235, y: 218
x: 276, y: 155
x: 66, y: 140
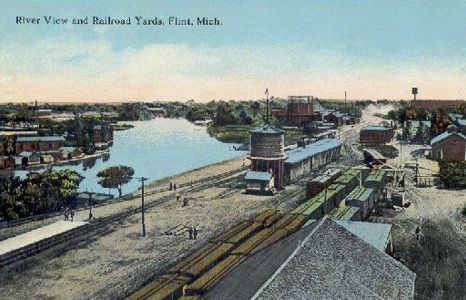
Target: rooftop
x: 40, y: 139
x: 260, y: 176
x: 375, y: 234
x: 330, y: 263
x: 299, y: 154
x: 324, y: 260
x: 267, y: 129
x: 377, y: 127
x: 445, y: 135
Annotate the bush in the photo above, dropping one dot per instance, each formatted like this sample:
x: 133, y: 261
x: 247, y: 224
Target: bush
x: 453, y: 174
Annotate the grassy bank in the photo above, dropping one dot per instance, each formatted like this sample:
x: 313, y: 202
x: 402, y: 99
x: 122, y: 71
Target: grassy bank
x: 240, y: 133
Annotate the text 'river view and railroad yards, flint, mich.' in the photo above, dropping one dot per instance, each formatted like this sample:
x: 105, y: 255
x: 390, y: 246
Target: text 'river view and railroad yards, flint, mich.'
x: 135, y: 20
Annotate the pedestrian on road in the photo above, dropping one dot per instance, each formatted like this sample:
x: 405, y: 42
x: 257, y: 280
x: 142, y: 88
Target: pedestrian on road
x: 185, y: 202
x: 72, y: 215
x: 66, y: 214
x: 171, y: 186
x: 190, y: 232
x: 178, y: 197
x: 191, y: 183
x: 174, y: 186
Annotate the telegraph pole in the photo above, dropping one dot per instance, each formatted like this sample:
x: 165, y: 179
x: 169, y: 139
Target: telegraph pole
x: 267, y: 95
x: 142, y: 179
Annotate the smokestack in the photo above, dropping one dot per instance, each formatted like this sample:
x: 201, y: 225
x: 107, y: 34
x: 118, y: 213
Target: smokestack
x: 345, y: 100
x: 267, y: 116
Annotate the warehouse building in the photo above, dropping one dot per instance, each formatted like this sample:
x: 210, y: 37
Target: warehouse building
x: 376, y: 135
x: 326, y: 259
x: 39, y: 143
x: 298, y: 112
x: 450, y: 145
x: 303, y: 160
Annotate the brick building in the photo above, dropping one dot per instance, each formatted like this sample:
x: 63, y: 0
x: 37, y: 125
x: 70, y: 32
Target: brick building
x: 298, y: 112
x: 439, y: 104
x: 450, y: 145
x: 38, y: 143
x: 336, y: 118
x: 376, y: 134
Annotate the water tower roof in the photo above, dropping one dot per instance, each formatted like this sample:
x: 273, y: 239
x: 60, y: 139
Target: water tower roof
x: 267, y: 129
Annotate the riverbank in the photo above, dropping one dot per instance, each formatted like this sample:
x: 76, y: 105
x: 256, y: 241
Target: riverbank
x: 66, y: 162
x: 241, y: 133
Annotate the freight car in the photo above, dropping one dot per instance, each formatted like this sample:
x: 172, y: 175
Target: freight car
x: 346, y: 213
x: 314, y: 186
x: 363, y: 198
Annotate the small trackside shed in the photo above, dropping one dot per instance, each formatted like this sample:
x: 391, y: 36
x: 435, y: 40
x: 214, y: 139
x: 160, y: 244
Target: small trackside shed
x: 302, y: 160
x: 376, y: 135
x: 259, y: 182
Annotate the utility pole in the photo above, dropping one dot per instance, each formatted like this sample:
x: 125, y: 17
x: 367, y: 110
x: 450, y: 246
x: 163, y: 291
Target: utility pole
x: 143, y: 223
x: 267, y: 95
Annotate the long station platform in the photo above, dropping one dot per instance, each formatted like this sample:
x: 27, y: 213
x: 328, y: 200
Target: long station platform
x: 37, y: 235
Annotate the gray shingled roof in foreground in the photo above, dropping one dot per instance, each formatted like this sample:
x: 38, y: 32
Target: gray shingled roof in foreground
x: 333, y: 263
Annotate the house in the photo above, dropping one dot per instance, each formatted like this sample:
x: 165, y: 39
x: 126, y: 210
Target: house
x: 102, y: 134
x: 46, y: 159
x: 7, y: 162
x: 326, y: 259
x: 38, y: 143
x: 29, y: 158
x: 450, y: 145
x: 259, y: 182
x: 376, y: 134
x: 69, y: 152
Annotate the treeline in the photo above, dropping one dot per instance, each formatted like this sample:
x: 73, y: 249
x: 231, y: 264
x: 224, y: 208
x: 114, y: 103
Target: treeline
x: 220, y: 112
x: 353, y: 108
x: 38, y: 193
x: 133, y: 111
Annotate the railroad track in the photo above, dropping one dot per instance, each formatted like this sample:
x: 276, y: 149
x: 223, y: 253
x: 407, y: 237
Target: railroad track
x: 101, y: 226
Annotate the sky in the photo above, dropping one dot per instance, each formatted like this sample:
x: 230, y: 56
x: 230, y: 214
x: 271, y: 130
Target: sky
x: 372, y: 49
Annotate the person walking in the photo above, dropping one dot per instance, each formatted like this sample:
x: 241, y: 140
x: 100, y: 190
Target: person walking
x: 185, y: 202
x: 66, y: 214
x: 194, y: 232
x: 190, y: 232
x: 72, y: 215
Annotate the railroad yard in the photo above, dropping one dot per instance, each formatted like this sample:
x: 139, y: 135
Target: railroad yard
x: 111, y: 260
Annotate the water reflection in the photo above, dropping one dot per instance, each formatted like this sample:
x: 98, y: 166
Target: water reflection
x: 155, y: 149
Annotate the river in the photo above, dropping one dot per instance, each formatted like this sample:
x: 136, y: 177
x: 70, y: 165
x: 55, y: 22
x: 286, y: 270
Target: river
x: 155, y: 149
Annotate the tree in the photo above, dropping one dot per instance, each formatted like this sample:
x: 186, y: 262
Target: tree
x: 115, y: 177
x: 38, y: 193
